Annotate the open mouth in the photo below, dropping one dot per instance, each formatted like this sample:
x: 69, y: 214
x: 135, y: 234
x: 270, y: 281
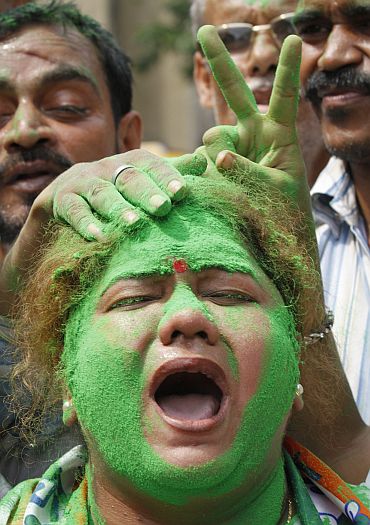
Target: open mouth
x: 190, y: 397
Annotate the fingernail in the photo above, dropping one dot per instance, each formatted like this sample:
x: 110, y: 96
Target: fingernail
x: 157, y: 201
x: 225, y: 160
x: 174, y: 186
x: 95, y: 232
x: 130, y: 217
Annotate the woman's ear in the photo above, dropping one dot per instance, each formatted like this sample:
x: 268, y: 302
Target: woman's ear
x: 69, y: 411
x: 298, y: 402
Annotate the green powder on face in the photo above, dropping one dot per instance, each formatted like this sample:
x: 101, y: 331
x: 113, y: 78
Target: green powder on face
x: 182, y: 296
x: 106, y: 375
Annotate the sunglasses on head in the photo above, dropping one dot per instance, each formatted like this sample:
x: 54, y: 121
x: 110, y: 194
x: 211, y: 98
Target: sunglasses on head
x: 237, y: 37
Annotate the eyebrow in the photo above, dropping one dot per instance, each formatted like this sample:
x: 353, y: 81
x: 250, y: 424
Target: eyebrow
x: 62, y: 73
x: 351, y: 10
x: 142, y: 275
x: 355, y: 11
x: 307, y: 15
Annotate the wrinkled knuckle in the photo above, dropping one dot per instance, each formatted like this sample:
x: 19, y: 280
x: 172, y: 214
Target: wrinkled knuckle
x: 160, y: 168
x: 127, y: 177
x: 211, y: 136
x: 80, y: 222
x: 70, y: 207
x: 60, y: 203
x: 99, y: 189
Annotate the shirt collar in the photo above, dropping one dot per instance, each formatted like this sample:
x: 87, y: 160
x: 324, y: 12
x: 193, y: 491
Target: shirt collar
x: 334, y: 197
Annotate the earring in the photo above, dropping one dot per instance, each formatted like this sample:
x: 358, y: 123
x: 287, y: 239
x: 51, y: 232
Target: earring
x: 299, y: 390
x: 69, y: 413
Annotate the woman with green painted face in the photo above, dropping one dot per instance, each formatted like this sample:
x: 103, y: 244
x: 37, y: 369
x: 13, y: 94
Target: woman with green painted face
x: 175, y: 346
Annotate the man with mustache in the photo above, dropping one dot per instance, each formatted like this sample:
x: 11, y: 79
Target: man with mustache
x: 253, y: 32
x: 335, y: 74
x: 64, y: 101
x: 336, y: 82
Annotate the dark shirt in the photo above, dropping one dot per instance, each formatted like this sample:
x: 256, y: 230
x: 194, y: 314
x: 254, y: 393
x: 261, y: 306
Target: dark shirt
x: 19, y: 460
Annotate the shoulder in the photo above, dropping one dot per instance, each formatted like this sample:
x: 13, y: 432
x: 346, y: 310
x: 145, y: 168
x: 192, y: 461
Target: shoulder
x: 362, y: 491
x: 60, y: 496
x: 13, y: 505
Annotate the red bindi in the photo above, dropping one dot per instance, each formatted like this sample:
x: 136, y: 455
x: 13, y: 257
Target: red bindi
x: 180, y: 265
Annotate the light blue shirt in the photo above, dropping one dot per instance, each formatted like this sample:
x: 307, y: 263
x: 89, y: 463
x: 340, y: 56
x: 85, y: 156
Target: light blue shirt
x: 345, y: 266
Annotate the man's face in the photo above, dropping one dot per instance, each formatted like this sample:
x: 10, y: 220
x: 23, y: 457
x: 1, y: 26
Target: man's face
x: 257, y: 63
x: 336, y: 72
x: 181, y: 363
x: 55, y: 111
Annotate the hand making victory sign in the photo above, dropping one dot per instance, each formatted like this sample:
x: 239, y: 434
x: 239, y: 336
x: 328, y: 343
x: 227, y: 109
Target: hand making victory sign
x: 265, y: 145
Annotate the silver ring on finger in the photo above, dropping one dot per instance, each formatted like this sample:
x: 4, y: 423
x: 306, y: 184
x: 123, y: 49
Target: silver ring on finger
x: 120, y: 170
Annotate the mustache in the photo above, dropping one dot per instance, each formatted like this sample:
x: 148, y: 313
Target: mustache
x: 60, y: 162
x: 347, y: 77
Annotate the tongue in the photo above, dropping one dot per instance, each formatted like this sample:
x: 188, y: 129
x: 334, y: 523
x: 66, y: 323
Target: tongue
x: 189, y: 406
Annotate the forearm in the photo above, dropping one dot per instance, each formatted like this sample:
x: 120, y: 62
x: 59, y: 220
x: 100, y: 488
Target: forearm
x: 19, y: 259
x: 330, y: 424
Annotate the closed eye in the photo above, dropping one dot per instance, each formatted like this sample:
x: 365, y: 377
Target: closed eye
x: 228, y: 298
x: 315, y: 31
x: 67, y: 111
x: 133, y: 303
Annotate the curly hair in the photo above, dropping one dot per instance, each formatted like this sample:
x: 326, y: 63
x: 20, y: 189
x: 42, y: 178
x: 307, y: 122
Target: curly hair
x: 115, y: 63
x: 67, y: 266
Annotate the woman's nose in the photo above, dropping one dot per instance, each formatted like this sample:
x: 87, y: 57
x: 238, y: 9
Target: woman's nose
x: 189, y: 323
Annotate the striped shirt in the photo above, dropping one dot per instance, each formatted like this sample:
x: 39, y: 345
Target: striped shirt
x: 345, y: 266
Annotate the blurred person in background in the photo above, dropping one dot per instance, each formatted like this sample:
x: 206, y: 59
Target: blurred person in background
x: 253, y: 33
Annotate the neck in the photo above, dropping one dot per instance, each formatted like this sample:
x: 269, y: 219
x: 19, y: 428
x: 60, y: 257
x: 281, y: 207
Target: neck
x: 108, y: 507
x: 361, y: 178
x: 314, y: 164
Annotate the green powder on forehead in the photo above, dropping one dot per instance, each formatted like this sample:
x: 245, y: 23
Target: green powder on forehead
x: 187, y: 233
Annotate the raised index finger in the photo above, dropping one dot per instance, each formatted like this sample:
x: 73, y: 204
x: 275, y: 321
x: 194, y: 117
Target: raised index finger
x: 285, y: 92
x: 228, y: 77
